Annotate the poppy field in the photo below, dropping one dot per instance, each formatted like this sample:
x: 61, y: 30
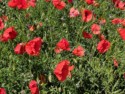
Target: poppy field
x: 62, y: 47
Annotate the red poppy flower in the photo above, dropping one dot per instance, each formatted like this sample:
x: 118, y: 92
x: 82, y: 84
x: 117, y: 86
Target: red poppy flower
x: 5, y: 18
x: 102, y: 21
x: 31, y: 27
x: 2, y: 39
x: 115, y: 63
x: 87, y: 15
x: 63, y: 44
x: 96, y: 4
x: 20, y: 4
x: 12, y: 3
x: 123, y: 22
x: 57, y: 50
x: 101, y: 36
x: 116, y: 21
x: 121, y: 5
x: 121, y: 32
x: 20, y: 48
x: 86, y: 35
x: 95, y: 28
x: 33, y: 87
x: 9, y: 33
x: 115, y: 1
x: 1, y: 24
x: 59, y: 4
x: 62, y: 70
x: 2, y: 91
x: 103, y: 46
x: 73, y: 12
x: 33, y: 47
x: 32, y: 3
x: 70, y: 1
x: 79, y: 51
x: 89, y: 1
